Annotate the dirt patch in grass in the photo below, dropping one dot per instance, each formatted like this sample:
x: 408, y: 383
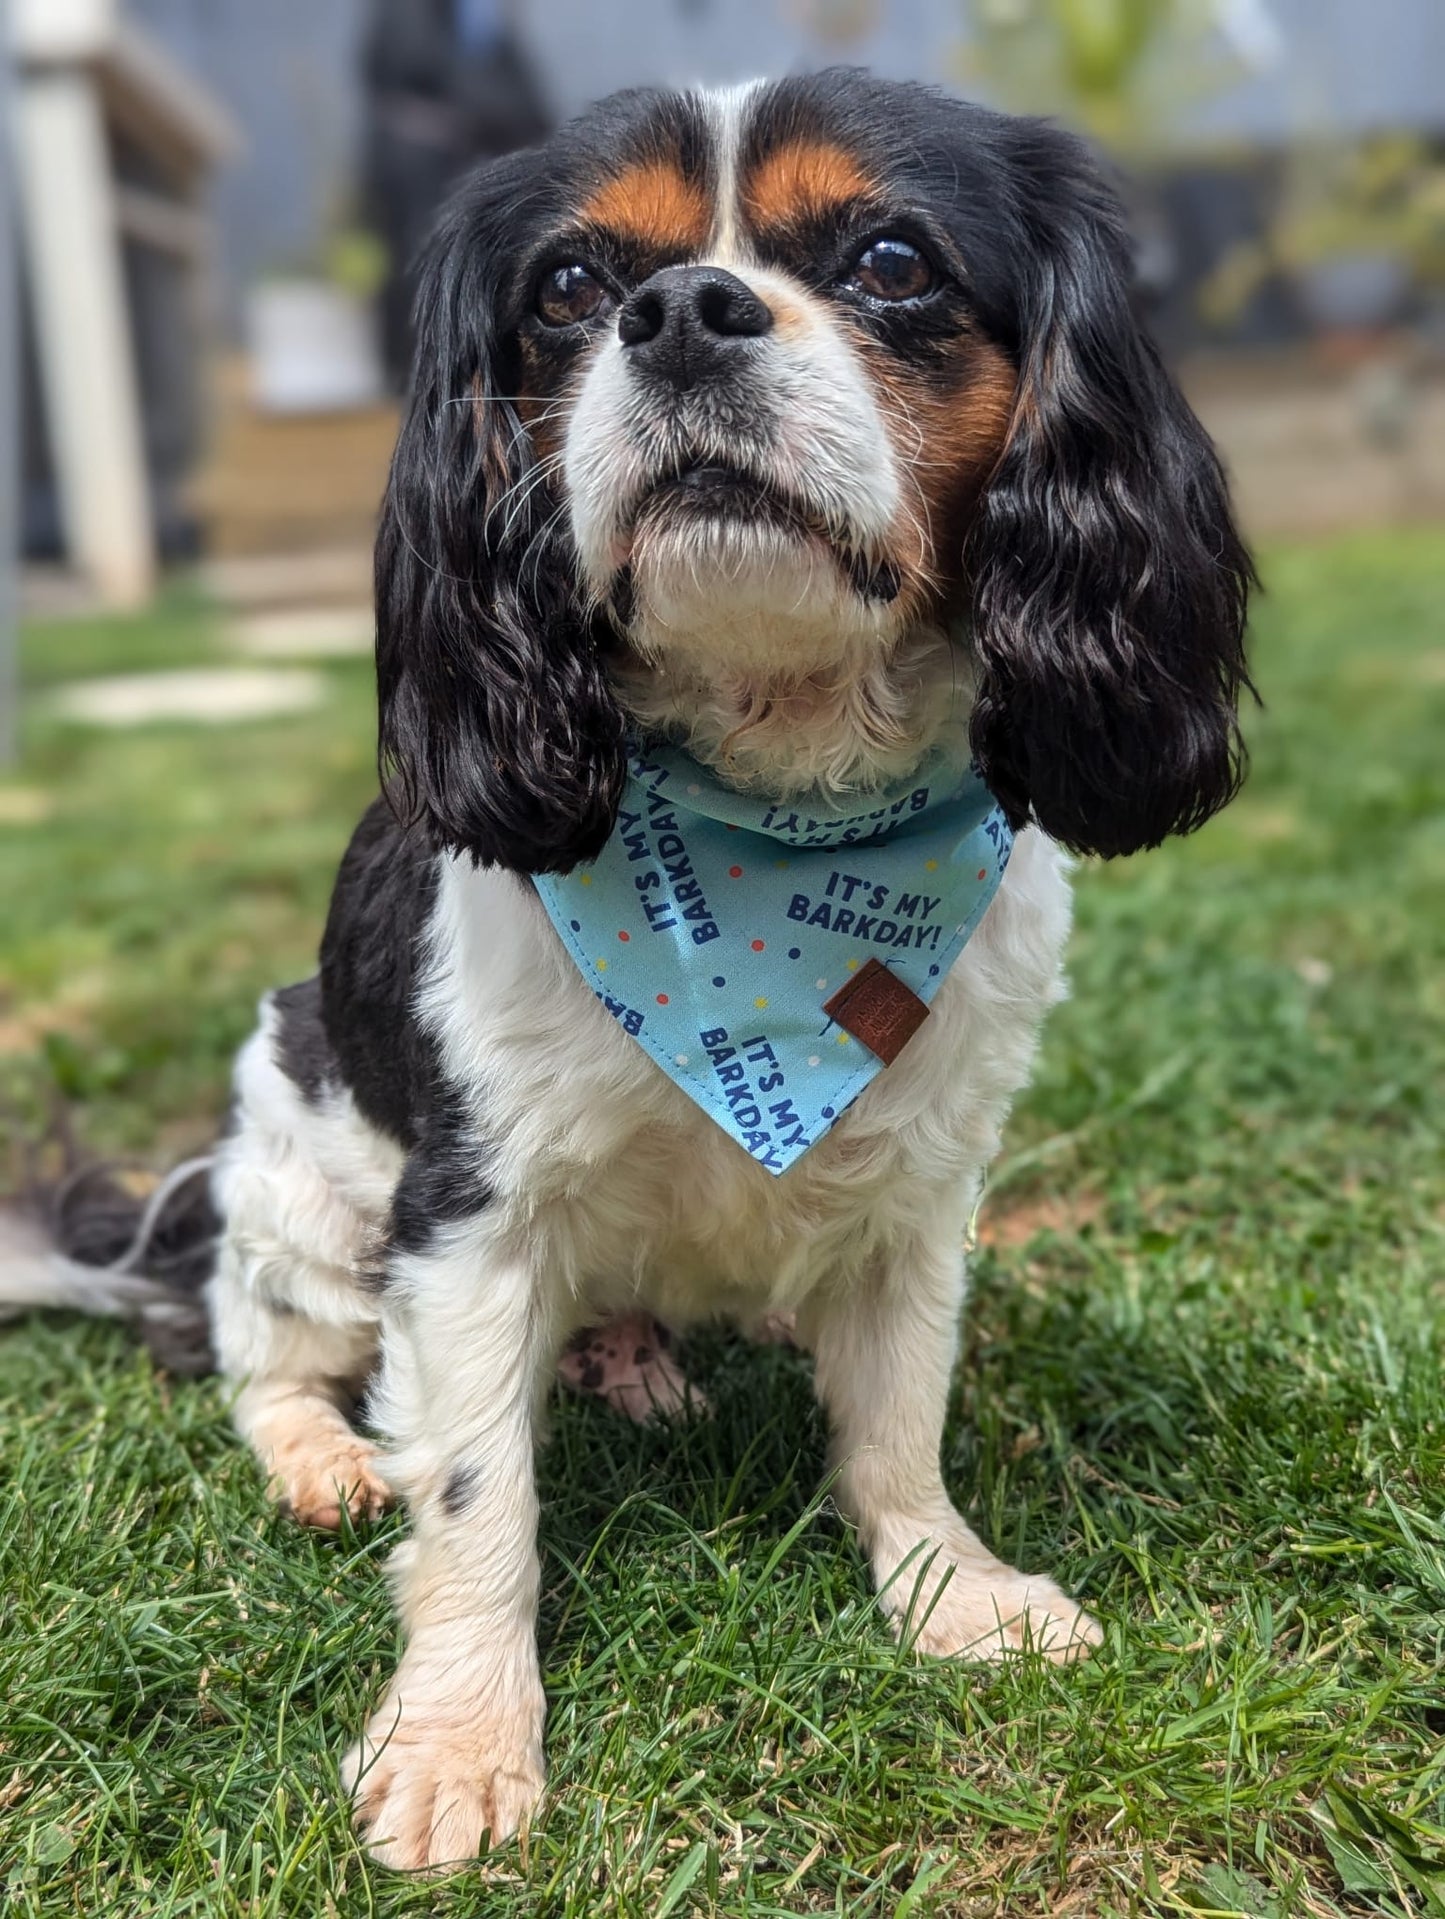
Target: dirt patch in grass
x: 1007, y: 1223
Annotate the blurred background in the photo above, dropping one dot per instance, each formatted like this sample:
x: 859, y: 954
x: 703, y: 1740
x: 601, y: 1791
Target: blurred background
x: 211, y: 212
x: 218, y: 201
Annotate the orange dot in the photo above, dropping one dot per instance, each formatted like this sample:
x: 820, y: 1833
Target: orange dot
x: 757, y: 946
x: 983, y: 872
x: 662, y: 999
x: 628, y: 936
x: 735, y: 872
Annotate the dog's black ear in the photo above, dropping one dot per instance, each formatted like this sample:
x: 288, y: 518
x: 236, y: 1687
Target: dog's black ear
x: 498, y: 727
x: 1110, y: 586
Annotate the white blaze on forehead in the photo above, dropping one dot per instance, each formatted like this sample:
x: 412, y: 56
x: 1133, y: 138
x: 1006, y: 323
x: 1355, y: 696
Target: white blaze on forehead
x: 726, y: 110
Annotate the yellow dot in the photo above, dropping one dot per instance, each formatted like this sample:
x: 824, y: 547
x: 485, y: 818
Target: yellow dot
x: 602, y: 966
x: 760, y: 1003
x: 852, y: 966
x: 586, y: 879
x: 930, y: 866
x: 842, y: 1039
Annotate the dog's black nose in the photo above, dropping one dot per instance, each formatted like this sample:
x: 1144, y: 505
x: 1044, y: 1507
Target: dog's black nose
x: 687, y: 323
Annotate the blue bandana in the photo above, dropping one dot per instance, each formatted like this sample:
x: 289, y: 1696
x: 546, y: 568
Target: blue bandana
x: 714, y: 925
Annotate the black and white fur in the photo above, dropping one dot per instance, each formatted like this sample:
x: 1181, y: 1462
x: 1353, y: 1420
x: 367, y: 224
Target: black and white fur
x: 446, y: 1156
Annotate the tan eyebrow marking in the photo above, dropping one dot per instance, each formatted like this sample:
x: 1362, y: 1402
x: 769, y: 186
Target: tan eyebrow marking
x: 653, y: 204
x: 804, y: 177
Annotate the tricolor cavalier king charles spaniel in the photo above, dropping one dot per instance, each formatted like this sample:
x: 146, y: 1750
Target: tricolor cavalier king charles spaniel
x: 808, y: 430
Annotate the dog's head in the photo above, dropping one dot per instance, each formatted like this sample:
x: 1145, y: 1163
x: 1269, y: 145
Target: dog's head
x: 740, y: 409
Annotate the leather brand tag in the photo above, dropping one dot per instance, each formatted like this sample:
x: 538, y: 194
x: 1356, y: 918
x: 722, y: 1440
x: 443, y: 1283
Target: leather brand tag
x: 878, y: 1009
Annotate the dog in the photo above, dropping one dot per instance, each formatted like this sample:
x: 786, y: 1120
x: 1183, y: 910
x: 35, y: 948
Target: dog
x: 801, y: 438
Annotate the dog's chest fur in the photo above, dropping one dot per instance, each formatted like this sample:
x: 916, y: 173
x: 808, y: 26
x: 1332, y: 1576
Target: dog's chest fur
x: 593, y: 1153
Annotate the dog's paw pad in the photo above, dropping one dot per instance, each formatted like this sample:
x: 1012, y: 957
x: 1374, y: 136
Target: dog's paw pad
x: 634, y: 1371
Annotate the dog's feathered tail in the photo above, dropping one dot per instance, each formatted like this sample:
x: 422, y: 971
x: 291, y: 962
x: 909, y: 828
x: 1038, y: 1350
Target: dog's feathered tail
x: 86, y: 1244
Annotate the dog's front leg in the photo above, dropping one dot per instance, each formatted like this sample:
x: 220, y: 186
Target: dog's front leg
x: 885, y: 1353
x: 455, y: 1749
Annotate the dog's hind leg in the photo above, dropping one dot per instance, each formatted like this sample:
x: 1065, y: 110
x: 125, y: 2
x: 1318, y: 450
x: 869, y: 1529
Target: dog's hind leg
x: 302, y: 1185
x: 301, y: 1375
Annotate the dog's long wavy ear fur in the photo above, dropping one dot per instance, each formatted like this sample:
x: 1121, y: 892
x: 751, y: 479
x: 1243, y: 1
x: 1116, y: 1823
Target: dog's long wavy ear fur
x: 1110, y: 586
x: 498, y: 728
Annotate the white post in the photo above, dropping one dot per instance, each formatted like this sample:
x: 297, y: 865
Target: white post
x: 9, y: 413
x: 82, y: 329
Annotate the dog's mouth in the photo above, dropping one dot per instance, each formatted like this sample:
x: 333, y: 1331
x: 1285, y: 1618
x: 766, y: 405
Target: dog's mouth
x: 716, y: 490
x: 714, y: 494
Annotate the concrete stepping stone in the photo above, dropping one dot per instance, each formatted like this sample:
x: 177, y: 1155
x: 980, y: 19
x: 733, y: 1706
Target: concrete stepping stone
x: 304, y: 633
x: 208, y: 696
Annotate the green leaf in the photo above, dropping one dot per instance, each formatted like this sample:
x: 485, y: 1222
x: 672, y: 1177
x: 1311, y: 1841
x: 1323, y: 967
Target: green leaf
x: 53, y: 1845
x: 1233, y: 1891
x: 1356, y: 1872
x: 928, y: 1876
x: 678, y: 1884
x: 1374, y: 1849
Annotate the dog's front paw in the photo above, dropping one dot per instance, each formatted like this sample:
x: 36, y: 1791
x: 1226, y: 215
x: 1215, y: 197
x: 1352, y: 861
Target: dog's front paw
x: 978, y: 1608
x: 429, y: 1778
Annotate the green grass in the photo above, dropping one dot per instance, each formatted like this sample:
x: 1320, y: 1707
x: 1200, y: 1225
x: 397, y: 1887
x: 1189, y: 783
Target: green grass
x: 1203, y: 1386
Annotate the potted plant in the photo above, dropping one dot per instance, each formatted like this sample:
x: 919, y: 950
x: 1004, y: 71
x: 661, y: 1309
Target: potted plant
x: 1358, y: 227
x: 1124, y: 70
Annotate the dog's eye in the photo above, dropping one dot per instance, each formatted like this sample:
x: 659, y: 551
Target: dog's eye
x: 890, y: 269
x: 569, y: 295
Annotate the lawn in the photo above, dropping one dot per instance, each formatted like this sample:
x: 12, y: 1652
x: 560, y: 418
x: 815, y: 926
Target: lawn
x: 1202, y: 1386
